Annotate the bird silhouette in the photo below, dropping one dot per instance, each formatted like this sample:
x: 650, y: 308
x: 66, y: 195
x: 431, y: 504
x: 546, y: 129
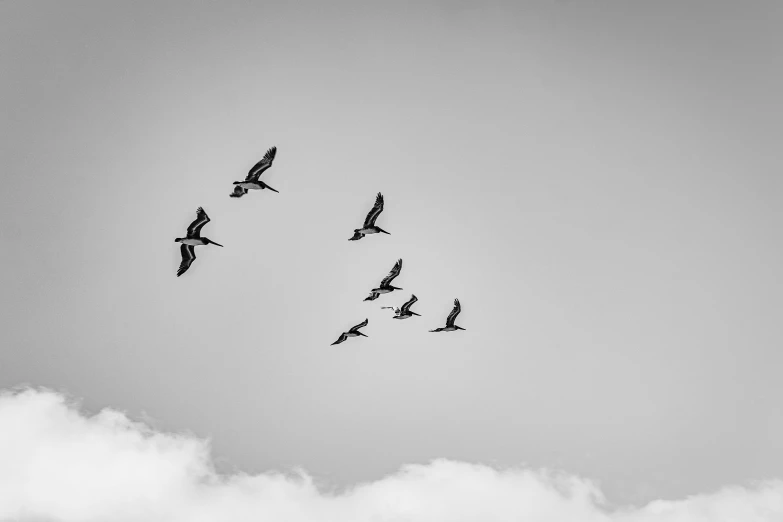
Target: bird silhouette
x: 369, y: 222
x: 192, y: 240
x: 251, y: 181
x: 450, y: 326
x: 353, y: 332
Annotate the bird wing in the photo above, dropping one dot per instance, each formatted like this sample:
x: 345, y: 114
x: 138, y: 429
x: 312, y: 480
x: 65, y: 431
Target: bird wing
x: 188, y: 256
x: 454, y: 313
x: 376, y: 210
x: 238, y: 192
x: 404, y: 308
x: 194, y: 230
x: 360, y: 325
x: 262, y: 165
x: 356, y: 235
x: 372, y: 297
x: 395, y: 271
x: 342, y: 338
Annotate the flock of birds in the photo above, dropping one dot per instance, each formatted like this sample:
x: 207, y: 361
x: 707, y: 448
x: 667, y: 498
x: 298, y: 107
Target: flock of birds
x: 193, y: 238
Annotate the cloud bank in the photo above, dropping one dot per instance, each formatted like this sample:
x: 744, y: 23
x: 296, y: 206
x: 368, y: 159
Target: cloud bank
x: 59, y: 465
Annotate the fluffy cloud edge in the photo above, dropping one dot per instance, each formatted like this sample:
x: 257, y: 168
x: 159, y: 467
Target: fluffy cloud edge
x: 58, y: 463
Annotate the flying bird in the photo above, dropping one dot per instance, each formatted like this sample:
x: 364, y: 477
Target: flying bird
x: 251, y: 181
x: 353, y: 332
x: 385, y: 287
x: 450, y: 326
x: 369, y: 222
x: 404, y: 312
x: 192, y: 240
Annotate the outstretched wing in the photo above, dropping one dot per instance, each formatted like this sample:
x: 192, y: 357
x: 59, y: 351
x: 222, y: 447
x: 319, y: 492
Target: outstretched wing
x: 454, y: 313
x: 372, y: 297
x: 342, y: 338
x: 404, y: 308
x: 356, y: 235
x: 238, y: 192
x: 262, y: 165
x: 394, y: 273
x: 188, y: 256
x: 360, y: 325
x: 376, y: 210
x: 194, y: 230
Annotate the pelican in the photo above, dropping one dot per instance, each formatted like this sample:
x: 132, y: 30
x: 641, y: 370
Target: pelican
x: 251, y: 181
x: 385, y: 286
x: 369, y: 222
x: 192, y: 240
x: 450, y: 326
x: 404, y: 312
x: 353, y: 332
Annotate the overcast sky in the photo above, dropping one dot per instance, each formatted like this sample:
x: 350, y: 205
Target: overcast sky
x: 598, y: 182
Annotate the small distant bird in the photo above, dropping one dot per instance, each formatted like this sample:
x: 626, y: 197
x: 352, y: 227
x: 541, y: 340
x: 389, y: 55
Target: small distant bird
x: 251, y: 181
x: 369, y: 222
x: 404, y: 312
x: 192, y: 240
x: 385, y: 287
x: 450, y: 326
x: 353, y: 332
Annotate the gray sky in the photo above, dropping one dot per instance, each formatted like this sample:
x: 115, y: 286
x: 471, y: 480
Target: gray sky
x: 598, y: 183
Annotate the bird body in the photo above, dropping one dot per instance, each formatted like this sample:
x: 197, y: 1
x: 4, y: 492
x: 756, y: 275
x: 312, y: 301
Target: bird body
x: 369, y: 222
x: 450, y: 326
x: 366, y: 231
x: 251, y: 181
x: 387, y: 290
x: 353, y: 332
x: 193, y: 239
x: 386, y: 287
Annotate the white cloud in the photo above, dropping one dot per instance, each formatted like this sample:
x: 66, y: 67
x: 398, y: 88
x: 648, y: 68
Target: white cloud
x: 56, y: 464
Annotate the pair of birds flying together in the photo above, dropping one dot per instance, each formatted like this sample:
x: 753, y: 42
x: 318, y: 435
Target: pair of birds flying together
x: 193, y: 237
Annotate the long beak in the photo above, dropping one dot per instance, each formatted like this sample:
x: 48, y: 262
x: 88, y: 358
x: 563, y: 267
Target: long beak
x: 360, y: 333
x: 273, y: 190
x: 460, y: 328
x: 414, y: 313
x: 218, y: 244
x: 382, y: 230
